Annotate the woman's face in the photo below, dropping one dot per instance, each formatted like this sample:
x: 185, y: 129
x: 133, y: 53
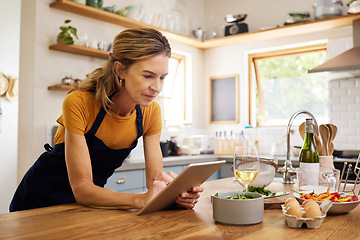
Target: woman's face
x: 144, y: 79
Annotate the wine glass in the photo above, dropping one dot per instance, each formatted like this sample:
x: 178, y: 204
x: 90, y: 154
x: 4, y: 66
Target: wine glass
x: 246, y: 164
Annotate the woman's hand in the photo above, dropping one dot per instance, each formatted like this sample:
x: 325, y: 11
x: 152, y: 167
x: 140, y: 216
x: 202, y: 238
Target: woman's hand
x: 159, y: 184
x: 189, y: 199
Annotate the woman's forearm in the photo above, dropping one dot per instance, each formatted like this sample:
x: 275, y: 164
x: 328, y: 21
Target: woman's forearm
x: 94, y: 196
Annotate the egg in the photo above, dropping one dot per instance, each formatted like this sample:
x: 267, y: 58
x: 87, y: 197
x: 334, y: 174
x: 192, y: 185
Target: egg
x: 292, y: 204
x: 308, y: 201
x: 295, y: 211
x: 312, y: 211
x: 289, y: 200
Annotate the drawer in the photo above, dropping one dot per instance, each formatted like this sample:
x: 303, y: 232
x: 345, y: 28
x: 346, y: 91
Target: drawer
x: 126, y: 180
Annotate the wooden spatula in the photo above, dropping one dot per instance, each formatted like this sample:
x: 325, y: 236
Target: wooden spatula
x: 318, y: 145
x: 325, y: 136
x: 302, y: 130
x: 333, y: 133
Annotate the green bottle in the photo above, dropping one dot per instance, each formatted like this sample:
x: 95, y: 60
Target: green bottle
x: 309, y: 157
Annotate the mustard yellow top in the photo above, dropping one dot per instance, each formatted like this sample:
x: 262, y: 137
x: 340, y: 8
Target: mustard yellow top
x: 80, y: 110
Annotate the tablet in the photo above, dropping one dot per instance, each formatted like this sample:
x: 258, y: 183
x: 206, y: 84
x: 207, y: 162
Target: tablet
x: 193, y: 175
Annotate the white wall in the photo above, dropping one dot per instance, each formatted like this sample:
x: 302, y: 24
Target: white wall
x: 41, y: 67
x: 233, y: 59
x: 260, y: 13
x: 9, y: 65
x: 345, y: 112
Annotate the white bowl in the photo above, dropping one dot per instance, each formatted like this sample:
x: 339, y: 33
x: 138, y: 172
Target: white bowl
x: 238, y: 211
x: 337, y: 207
x: 266, y: 174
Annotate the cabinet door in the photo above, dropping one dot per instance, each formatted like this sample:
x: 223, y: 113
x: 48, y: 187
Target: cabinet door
x: 225, y: 171
x: 126, y: 181
x: 175, y: 169
x: 214, y: 176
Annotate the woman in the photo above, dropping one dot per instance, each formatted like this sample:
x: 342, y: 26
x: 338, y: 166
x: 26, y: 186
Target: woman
x: 100, y: 125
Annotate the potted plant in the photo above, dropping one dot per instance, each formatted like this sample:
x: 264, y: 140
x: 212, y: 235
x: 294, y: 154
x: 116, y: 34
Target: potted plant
x: 67, y: 33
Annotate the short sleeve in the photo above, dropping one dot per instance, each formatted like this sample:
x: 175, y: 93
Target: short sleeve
x: 152, y: 119
x: 75, y: 114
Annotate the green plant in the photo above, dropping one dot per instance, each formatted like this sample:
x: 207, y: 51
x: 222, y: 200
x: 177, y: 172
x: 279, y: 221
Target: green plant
x: 301, y: 15
x: 348, y: 4
x: 67, y: 33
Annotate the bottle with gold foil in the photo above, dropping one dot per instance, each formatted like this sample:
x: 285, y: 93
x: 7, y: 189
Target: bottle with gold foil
x: 309, y: 157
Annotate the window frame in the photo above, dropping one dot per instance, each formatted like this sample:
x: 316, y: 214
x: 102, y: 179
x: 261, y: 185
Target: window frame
x: 181, y: 66
x: 252, y: 57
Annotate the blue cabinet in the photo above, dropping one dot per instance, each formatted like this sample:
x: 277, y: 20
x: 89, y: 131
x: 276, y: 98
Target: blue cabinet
x: 127, y: 181
x: 134, y: 181
x: 225, y: 171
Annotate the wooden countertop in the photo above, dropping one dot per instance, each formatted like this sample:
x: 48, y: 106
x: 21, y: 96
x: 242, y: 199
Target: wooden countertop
x: 73, y: 221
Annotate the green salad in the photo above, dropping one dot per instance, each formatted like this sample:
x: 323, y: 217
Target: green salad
x: 260, y: 190
x: 238, y: 196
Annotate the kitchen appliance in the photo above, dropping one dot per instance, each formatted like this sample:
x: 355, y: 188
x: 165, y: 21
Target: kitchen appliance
x: 204, y: 143
x: 237, y: 27
x: 345, y: 65
x: 199, y: 34
x: 327, y: 8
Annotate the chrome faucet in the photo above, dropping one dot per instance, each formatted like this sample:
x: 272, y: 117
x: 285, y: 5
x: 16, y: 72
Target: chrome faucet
x: 288, y: 171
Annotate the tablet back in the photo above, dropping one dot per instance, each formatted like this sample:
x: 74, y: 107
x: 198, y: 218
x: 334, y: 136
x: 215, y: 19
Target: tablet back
x: 194, y: 175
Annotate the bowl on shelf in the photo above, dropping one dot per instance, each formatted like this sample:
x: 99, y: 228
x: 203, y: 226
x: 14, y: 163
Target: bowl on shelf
x: 296, y: 150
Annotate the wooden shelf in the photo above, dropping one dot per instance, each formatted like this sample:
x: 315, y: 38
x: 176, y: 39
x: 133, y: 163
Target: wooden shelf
x: 116, y: 19
x: 81, y: 50
x: 285, y: 31
x: 60, y: 87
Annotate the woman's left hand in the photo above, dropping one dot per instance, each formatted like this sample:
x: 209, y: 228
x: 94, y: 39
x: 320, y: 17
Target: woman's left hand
x: 189, y: 199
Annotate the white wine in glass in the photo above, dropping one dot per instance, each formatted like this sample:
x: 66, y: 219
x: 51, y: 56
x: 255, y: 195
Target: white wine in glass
x: 246, y: 164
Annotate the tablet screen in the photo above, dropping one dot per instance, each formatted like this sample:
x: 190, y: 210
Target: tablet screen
x: 194, y: 175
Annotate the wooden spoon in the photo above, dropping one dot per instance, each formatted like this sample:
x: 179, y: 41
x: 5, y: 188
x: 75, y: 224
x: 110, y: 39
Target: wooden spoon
x: 334, y: 128
x: 325, y: 135
x: 302, y: 130
x: 332, y: 137
x: 330, y: 143
x: 318, y: 145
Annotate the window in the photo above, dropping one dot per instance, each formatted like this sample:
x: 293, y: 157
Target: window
x: 172, y: 96
x: 282, y: 85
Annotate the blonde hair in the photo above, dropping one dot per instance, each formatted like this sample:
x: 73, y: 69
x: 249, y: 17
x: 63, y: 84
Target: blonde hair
x: 129, y: 46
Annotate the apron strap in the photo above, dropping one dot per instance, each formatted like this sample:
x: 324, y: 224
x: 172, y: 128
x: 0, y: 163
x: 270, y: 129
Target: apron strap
x: 98, y: 120
x: 139, y: 120
x: 102, y: 113
x: 48, y: 148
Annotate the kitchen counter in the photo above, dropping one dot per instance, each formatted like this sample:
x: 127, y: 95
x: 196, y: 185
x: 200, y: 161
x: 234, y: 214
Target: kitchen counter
x: 169, y: 161
x: 135, y: 164
x: 74, y: 221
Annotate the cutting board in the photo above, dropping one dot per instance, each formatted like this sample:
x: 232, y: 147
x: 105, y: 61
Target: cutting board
x: 278, y: 186
x: 276, y: 202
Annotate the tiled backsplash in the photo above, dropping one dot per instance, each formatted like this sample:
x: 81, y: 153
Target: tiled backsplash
x: 344, y: 112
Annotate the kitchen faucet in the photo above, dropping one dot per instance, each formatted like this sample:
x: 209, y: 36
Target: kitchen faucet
x: 288, y: 171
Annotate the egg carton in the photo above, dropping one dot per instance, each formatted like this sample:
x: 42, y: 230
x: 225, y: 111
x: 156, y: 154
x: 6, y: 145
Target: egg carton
x: 295, y: 222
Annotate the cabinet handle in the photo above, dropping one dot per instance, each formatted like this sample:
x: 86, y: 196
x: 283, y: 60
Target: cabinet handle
x: 120, y: 181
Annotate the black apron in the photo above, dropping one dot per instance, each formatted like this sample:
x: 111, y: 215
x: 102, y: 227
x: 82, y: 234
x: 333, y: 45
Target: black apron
x: 46, y: 183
